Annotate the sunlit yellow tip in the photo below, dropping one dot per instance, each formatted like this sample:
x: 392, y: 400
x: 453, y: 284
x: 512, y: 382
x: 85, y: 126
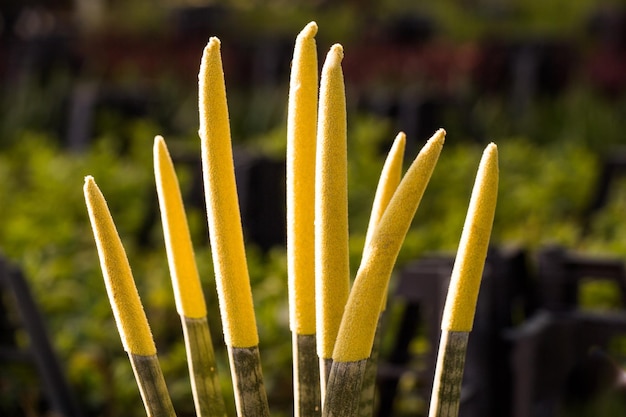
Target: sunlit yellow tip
x: 129, y: 315
x: 470, y: 260
x: 309, y: 31
x: 213, y: 43
x: 211, y: 49
x: 336, y: 51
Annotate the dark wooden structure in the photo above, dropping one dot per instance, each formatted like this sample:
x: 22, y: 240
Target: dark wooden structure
x: 530, y: 339
x: 19, y: 314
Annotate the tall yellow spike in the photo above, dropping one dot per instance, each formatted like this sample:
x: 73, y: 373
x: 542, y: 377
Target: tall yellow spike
x: 226, y: 235
x: 227, y: 246
x: 301, y: 148
x: 301, y: 132
x: 389, y: 179
x: 332, y: 272
x: 181, y: 259
x: 129, y: 314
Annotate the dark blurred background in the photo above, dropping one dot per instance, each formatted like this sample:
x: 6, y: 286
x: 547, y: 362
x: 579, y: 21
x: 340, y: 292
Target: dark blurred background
x: 86, y: 85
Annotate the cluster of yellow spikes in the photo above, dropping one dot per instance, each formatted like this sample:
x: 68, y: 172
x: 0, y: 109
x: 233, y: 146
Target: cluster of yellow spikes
x: 323, y: 304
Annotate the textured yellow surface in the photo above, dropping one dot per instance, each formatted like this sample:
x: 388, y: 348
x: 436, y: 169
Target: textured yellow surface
x: 180, y: 256
x: 301, y: 131
x: 130, y: 317
x: 458, y: 314
x: 358, y: 326
x: 387, y: 184
x: 226, y: 236
x: 332, y: 271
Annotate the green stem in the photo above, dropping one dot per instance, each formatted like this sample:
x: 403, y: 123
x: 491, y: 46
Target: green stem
x: 446, y: 394
x: 205, y: 383
x: 307, y: 402
x: 250, y: 395
x: 156, y: 398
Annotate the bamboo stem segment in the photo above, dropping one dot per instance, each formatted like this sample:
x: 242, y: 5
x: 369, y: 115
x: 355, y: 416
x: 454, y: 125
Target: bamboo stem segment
x: 152, y: 388
x: 344, y: 387
x: 307, y: 400
x: 250, y: 396
x: 446, y: 393
x: 325, y: 365
x: 368, y: 389
x: 205, y: 382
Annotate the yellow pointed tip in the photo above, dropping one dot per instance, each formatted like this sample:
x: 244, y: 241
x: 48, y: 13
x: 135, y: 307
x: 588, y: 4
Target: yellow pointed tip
x: 211, y: 48
x: 436, y: 140
x: 214, y: 42
x: 309, y: 31
x: 159, y: 148
x: 491, y: 150
x: 470, y: 260
x: 129, y: 315
x: 337, y: 51
x: 181, y: 259
x: 387, y: 183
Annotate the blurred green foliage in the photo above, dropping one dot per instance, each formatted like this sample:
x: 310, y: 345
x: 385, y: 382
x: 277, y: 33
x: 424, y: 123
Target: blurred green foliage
x: 44, y: 227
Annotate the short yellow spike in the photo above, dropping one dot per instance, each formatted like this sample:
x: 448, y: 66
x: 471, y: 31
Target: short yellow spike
x: 468, y: 267
x: 129, y: 314
x: 301, y: 131
x: 387, y: 184
x: 358, y: 326
x: 181, y: 259
x: 226, y: 235
x: 332, y: 269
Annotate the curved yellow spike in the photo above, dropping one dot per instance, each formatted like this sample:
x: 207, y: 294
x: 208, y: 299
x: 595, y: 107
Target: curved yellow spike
x: 332, y: 270
x: 387, y: 184
x: 129, y: 314
x: 468, y: 267
x: 358, y: 326
x: 181, y: 259
x: 301, y: 131
x: 227, y: 246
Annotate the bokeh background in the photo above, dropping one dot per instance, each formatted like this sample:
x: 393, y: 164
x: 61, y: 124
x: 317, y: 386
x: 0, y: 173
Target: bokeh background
x: 85, y: 86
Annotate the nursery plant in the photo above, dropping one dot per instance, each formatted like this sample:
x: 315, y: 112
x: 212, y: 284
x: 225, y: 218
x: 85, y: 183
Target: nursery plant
x: 333, y: 322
